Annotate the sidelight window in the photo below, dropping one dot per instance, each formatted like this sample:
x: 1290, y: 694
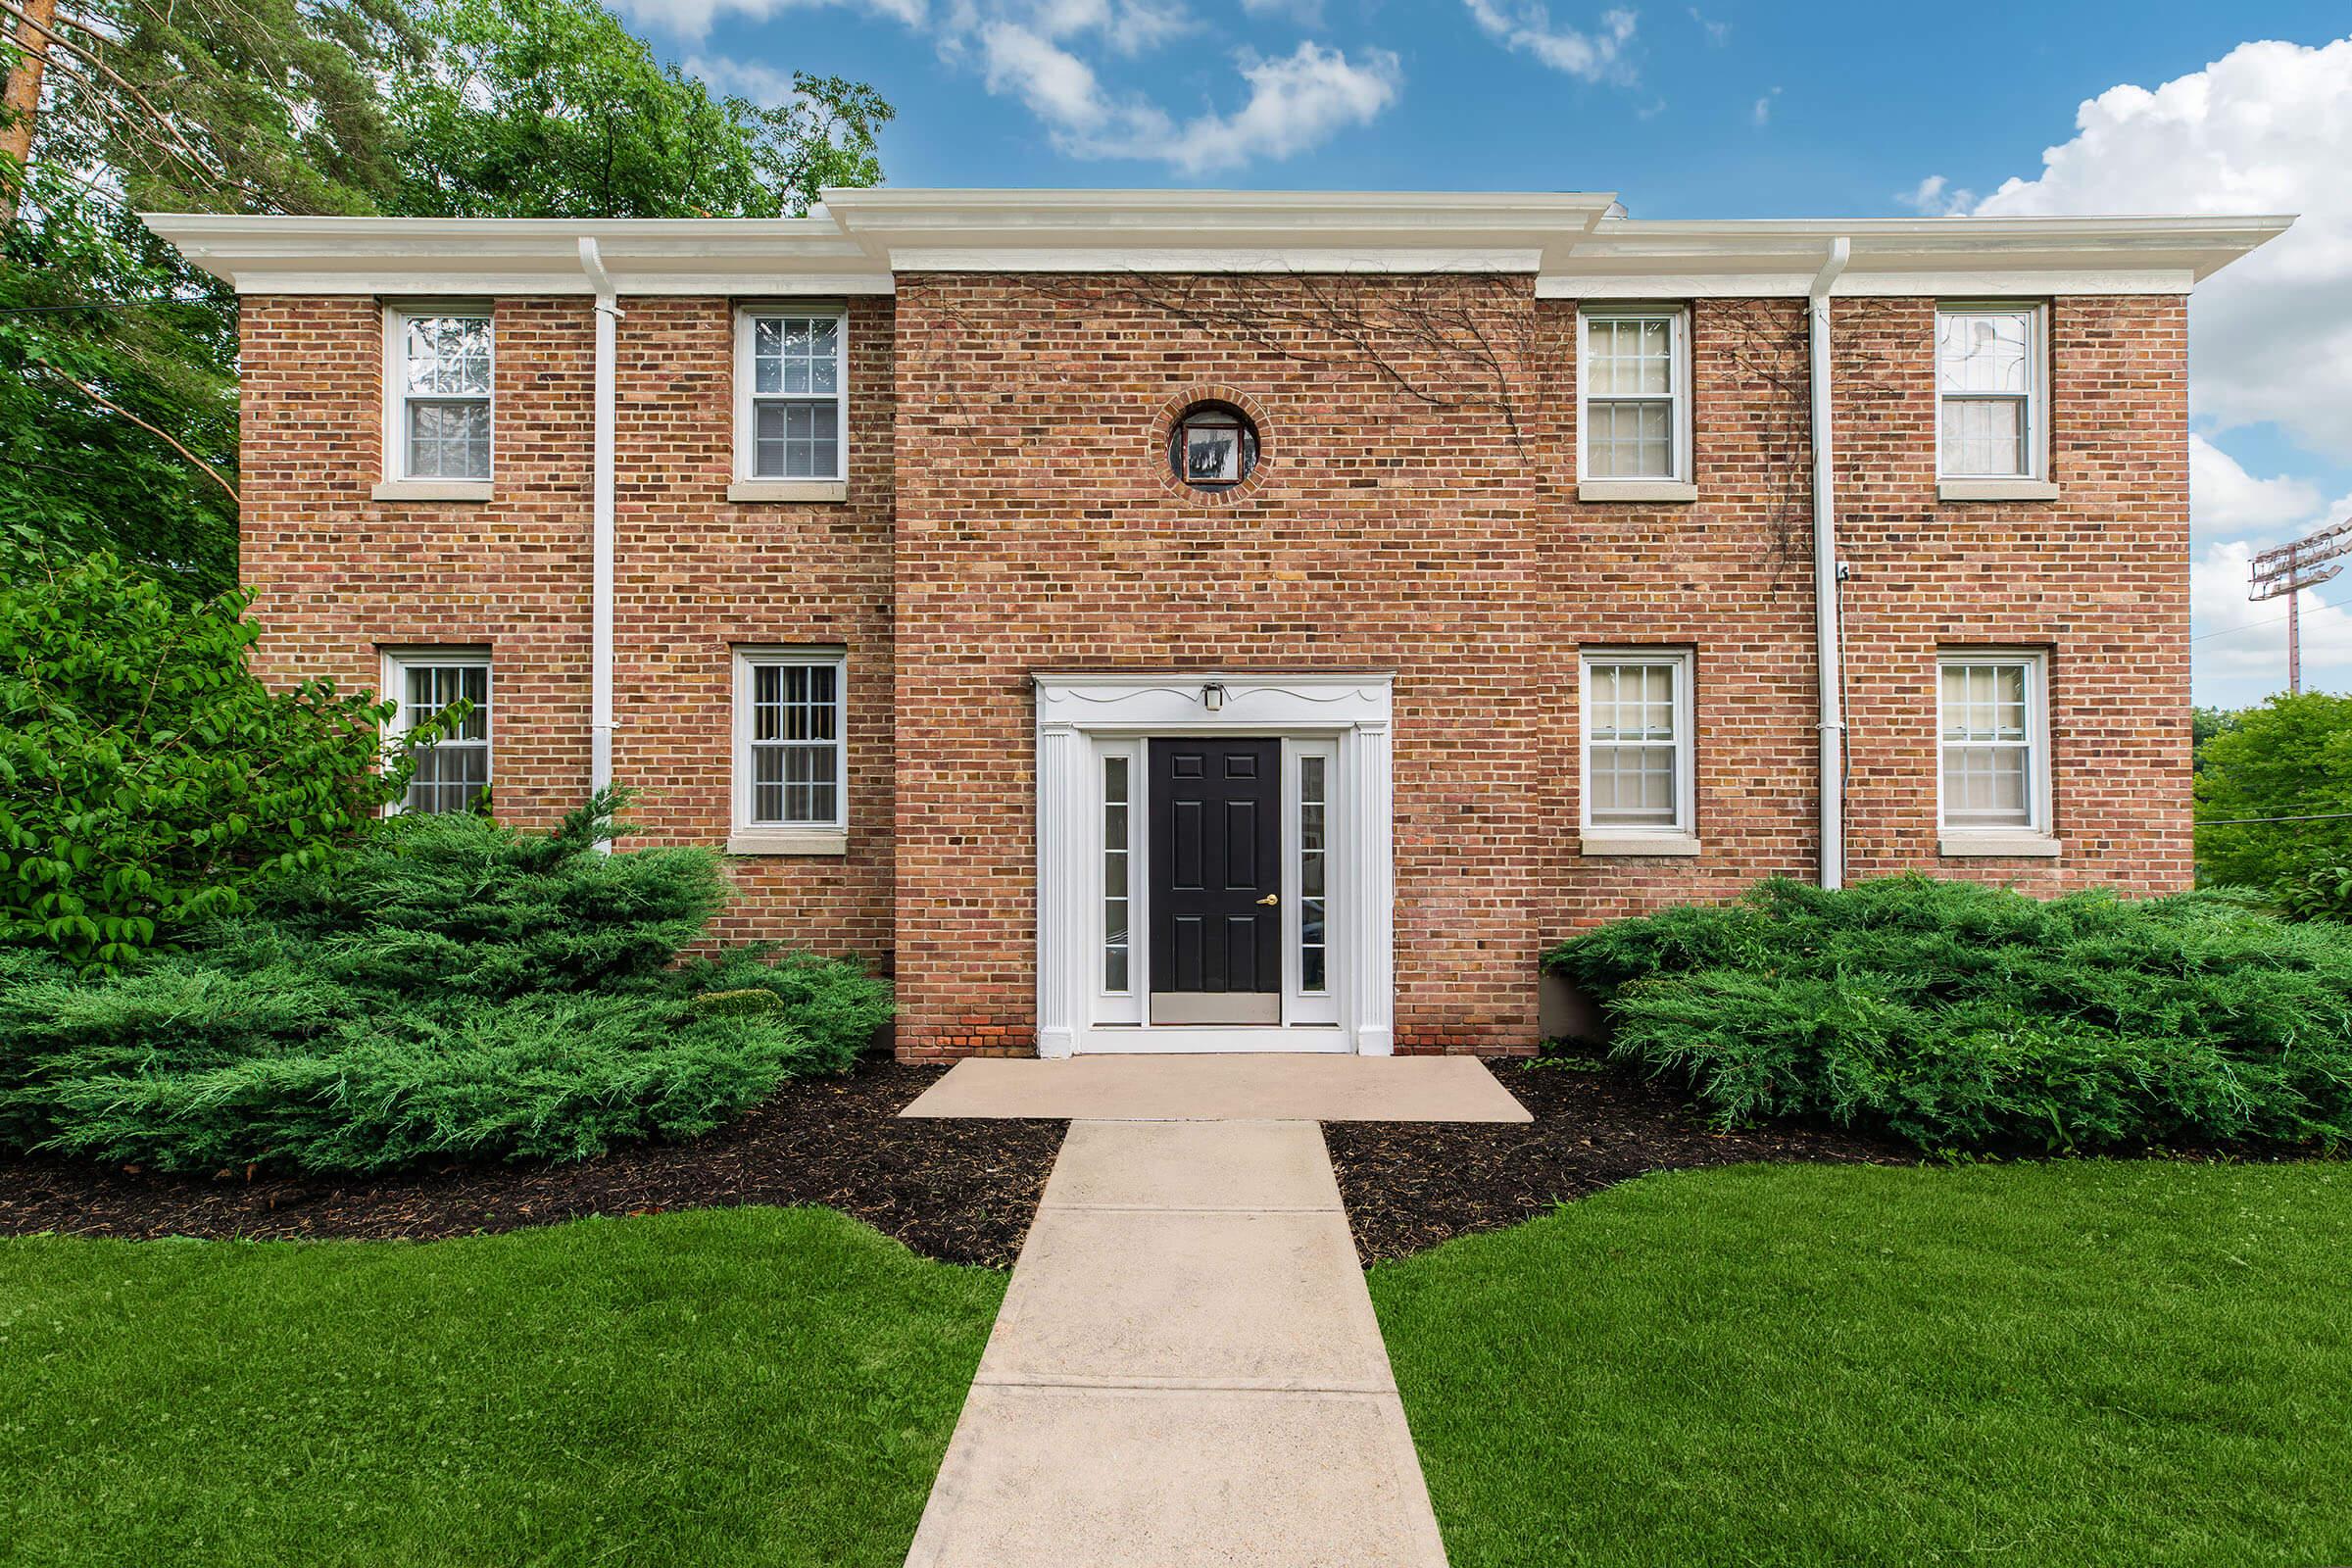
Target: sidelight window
x: 1119, y: 866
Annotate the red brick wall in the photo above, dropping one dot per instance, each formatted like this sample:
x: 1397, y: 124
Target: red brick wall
x: 1035, y: 527
x: 1035, y: 530
x: 339, y: 576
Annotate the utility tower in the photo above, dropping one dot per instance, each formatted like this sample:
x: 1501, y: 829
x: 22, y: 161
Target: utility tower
x: 2289, y: 569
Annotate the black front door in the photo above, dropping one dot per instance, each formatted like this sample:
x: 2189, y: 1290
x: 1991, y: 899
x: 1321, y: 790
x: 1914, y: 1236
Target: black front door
x: 1216, y: 880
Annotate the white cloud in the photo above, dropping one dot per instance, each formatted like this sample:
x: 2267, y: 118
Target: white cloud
x: 1050, y: 54
x: 1305, y: 13
x: 1526, y: 25
x: 2225, y: 499
x: 2266, y: 129
x: 1762, y: 113
x: 1718, y: 34
x: 1296, y: 101
x: 1937, y: 197
x: 692, y: 18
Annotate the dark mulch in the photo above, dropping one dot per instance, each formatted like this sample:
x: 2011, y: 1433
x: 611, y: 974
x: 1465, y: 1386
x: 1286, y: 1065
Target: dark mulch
x: 1411, y: 1185
x: 958, y: 1191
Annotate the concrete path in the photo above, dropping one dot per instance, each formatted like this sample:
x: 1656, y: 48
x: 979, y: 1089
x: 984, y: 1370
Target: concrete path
x: 1187, y: 1370
x: 1212, y: 1087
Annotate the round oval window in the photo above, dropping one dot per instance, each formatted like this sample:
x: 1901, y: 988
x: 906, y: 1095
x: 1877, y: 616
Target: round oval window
x: 1214, y: 445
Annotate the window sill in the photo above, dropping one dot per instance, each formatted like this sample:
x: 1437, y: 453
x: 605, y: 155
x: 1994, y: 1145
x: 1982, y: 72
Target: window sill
x: 1996, y: 490
x: 431, y: 490
x: 1605, y: 843
x: 2039, y: 845
x: 1673, y: 490
x: 789, y: 490
x: 789, y: 841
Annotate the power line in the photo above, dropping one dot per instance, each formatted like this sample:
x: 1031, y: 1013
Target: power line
x: 2257, y: 626
x: 2243, y: 821
x: 101, y: 305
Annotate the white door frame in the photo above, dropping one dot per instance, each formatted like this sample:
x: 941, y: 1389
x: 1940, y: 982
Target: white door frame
x: 1079, y: 718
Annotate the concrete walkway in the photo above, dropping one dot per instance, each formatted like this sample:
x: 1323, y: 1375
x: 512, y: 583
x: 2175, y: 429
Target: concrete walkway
x: 1187, y: 1370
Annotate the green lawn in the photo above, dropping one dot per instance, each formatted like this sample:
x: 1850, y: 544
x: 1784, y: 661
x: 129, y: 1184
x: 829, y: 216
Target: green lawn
x: 732, y: 1387
x: 2058, y: 1364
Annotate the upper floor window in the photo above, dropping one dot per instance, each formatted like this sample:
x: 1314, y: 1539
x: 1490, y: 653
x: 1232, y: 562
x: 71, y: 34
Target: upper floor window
x: 1993, y: 758
x: 438, y: 394
x: 452, y: 774
x: 1633, y: 394
x: 1637, y: 751
x: 1214, y: 446
x: 790, y: 751
x: 1989, y: 392
x: 792, y: 392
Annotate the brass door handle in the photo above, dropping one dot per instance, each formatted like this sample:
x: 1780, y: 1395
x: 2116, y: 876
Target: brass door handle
x: 1271, y: 899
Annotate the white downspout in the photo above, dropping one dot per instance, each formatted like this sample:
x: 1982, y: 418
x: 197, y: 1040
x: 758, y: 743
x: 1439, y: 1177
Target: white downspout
x: 1828, y: 628
x: 600, y: 592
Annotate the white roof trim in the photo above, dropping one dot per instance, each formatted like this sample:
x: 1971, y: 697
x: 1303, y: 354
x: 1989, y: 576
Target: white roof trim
x: 857, y: 241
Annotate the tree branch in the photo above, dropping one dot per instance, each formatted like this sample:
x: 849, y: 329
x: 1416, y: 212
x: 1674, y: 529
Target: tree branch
x: 111, y: 407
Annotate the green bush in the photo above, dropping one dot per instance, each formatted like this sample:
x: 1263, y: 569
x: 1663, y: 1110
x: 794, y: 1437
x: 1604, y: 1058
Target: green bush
x: 1960, y: 1016
x: 148, y: 780
x: 457, y: 990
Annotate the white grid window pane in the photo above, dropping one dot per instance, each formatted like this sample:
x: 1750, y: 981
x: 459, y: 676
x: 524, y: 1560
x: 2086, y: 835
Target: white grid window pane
x: 1986, y: 382
x: 796, y: 745
x: 1629, y: 440
x: 1984, y: 351
x: 797, y: 440
x: 796, y: 382
x: 1631, y: 384
x: 445, y: 396
x: 1988, y: 744
x: 449, y: 440
x: 1984, y: 436
x: 452, y: 774
x: 1636, y: 752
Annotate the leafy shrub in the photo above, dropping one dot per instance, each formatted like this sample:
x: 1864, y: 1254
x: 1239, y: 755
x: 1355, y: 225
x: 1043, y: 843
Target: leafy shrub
x: 2322, y: 891
x: 148, y: 780
x: 457, y: 989
x: 1961, y: 1016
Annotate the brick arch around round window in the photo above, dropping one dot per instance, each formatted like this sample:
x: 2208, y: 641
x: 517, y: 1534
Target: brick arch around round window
x: 1164, y: 432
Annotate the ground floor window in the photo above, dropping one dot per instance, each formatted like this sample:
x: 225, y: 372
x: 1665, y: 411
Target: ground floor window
x: 790, y: 761
x: 1994, y: 763
x: 453, y: 773
x: 1636, y: 740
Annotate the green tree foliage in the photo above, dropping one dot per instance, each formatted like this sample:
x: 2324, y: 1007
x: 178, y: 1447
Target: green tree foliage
x: 2204, y: 724
x: 2291, y: 756
x: 148, y: 780
x: 1961, y: 1016
x: 457, y: 989
x: 551, y: 109
x: 117, y: 394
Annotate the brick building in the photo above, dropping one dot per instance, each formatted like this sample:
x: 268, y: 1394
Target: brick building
x: 1155, y: 621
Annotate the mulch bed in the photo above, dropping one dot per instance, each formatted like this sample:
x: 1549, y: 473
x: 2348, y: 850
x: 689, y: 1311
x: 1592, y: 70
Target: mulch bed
x: 1411, y: 1185
x: 958, y: 1191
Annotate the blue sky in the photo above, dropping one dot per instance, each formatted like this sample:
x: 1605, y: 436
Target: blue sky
x: 1722, y: 110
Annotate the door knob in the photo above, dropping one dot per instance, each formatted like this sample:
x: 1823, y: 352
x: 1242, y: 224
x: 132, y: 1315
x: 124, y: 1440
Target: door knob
x: 1271, y: 899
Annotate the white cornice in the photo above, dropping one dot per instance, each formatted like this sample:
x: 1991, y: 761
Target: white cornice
x: 860, y: 239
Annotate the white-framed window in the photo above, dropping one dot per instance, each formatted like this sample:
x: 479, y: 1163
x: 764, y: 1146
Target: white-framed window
x: 437, y: 404
x: 792, y: 392
x: 1993, y: 752
x: 452, y: 774
x: 1118, y: 874
x: 1637, y: 773
x: 1632, y: 393
x: 1990, y: 404
x: 791, y: 754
